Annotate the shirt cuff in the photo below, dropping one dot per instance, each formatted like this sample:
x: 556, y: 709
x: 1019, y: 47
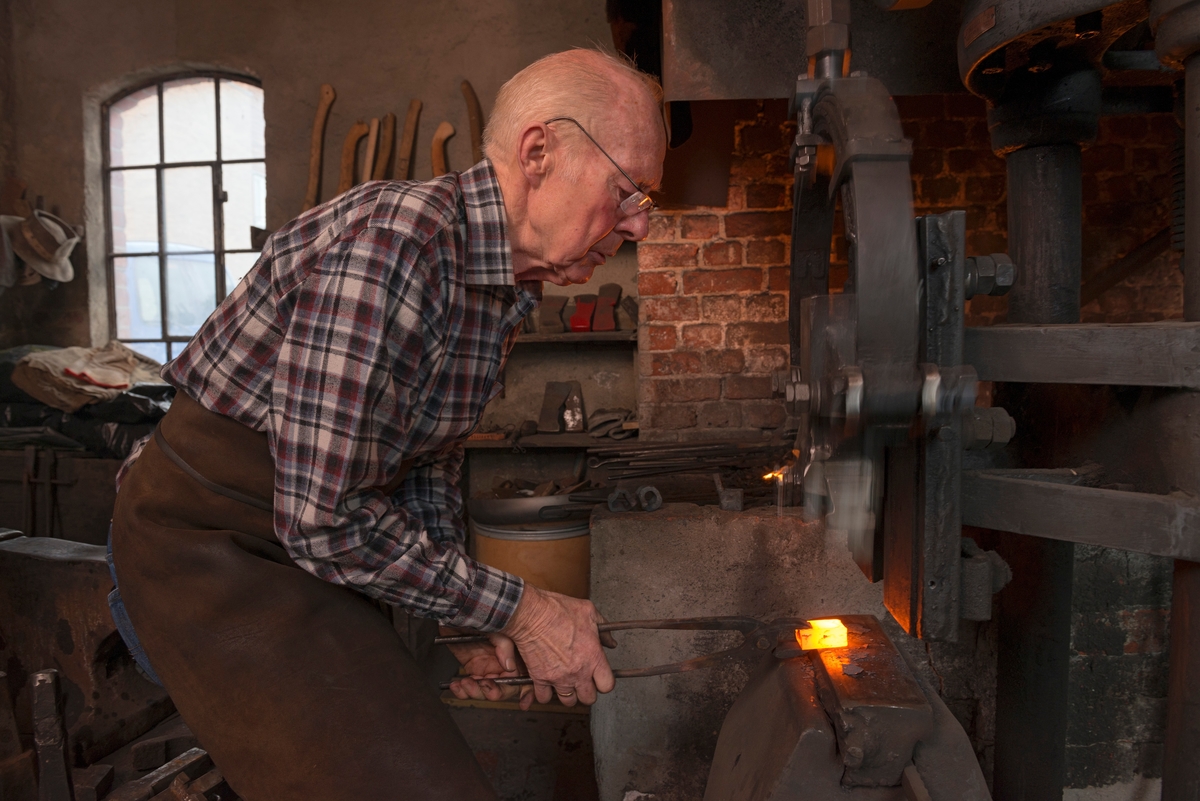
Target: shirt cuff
x: 491, y: 599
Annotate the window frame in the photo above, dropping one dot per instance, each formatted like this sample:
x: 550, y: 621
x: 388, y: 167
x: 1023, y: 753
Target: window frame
x: 173, y: 343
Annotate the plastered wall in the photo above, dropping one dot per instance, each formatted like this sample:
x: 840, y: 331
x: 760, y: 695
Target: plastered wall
x: 67, y: 56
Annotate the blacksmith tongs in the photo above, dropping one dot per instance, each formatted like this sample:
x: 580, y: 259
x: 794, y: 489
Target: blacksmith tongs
x: 777, y: 637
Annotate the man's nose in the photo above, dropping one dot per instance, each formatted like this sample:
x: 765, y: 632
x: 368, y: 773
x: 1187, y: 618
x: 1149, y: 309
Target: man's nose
x: 634, y: 228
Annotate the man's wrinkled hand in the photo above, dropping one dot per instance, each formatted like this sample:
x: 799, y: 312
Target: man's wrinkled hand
x: 558, y: 639
x: 483, y: 661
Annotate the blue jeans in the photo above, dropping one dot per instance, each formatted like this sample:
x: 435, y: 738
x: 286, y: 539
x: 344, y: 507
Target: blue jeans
x: 121, y: 618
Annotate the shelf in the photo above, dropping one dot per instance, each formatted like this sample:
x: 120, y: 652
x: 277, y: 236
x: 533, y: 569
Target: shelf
x: 579, y: 337
x: 574, y: 441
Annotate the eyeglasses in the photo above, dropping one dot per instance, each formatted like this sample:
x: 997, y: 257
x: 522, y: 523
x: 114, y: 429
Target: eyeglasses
x: 638, y: 201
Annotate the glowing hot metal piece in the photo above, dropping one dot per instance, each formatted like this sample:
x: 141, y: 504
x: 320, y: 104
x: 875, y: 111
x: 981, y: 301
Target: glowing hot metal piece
x: 829, y: 633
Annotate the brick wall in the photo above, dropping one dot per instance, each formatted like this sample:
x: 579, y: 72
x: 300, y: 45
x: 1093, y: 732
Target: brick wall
x: 713, y: 281
x: 713, y: 284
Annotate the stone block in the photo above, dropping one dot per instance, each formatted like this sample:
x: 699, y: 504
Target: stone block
x: 657, y: 735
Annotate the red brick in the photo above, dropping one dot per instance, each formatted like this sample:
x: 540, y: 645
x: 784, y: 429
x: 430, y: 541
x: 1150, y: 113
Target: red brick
x: 985, y: 189
x: 765, y: 360
x: 722, y: 253
x: 1104, y: 158
x: 735, y: 199
x: 938, y: 191
x: 1152, y: 159
x: 758, y: 223
x: 1145, y: 630
x: 703, y: 336
x: 1123, y: 128
x: 1164, y: 130
x: 660, y: 337
x: 670, y: 310
x: 680, y: 363
x: 742, y: 334
x: 657, y: 283
x: 705, y: 282
x: 766, y: 308
x: 699, y: 226
x: 651, y: 255
x: 962, y: 105
x: 741, y: 387
x: 721, y: 414
x: 779, y: 165
x: 926, y: 161
x: 723, y: 362
x: 944, y: 133
x: 683, y: 390
x: 978, y: 134
x: 983, y: 242
x: 921, y: 107
x: 721, y: 308
x: 763, y: 414
x: 662, y: 227
x: 779, y: 279
x: 760, y: 137
x: 669, y: 416
x: 974, y: 160
x: 766, y: 196
x: 748, y: 169
x: 766, y: 251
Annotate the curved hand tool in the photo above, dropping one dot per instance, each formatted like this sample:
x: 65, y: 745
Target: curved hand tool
x: 408, y: 141
x: 350, y: 154
x: 438, y: 154
x: 474, y: 121
x: 311, y: 195
x: 387, y: 138
x: 372, y: 147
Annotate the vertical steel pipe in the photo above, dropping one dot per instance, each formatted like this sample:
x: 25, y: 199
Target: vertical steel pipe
x: 1181, y: 746
x: 1034, y: 620
x: 1045, y: 239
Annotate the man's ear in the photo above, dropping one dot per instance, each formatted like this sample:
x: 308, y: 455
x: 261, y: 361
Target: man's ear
x: 533, y: 153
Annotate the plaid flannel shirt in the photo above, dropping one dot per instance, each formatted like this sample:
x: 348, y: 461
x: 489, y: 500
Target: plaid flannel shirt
x: 371, y: 331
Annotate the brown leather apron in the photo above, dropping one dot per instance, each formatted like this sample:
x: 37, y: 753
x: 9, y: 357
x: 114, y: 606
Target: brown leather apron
x: 297, y: 687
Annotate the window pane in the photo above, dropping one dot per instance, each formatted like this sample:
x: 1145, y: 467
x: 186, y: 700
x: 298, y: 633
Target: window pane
x: 134, y: 211
x: 236, y: 267
x: 188, y: 209
x: 246, y: 186
x: 190, y: 120
x: 133, y: 129
x: 242, y: 121
x: 191, y: 292
x: 155, y: 350
x: 138, y: 301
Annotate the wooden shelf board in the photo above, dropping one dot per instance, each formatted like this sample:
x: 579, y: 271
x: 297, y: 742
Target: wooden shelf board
x: 579, y: 337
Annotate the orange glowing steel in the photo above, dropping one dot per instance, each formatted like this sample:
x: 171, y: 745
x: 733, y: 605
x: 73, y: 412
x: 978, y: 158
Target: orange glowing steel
x: 830, y: 633
x: 774, y: 474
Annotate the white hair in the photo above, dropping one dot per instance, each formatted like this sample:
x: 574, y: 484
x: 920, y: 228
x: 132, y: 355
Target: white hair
x: 580, y: 83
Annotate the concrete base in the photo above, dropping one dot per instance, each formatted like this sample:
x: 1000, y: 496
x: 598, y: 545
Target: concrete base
x: 657, y: 735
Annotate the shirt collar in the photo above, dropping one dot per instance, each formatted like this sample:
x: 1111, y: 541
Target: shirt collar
x: 489, y: 254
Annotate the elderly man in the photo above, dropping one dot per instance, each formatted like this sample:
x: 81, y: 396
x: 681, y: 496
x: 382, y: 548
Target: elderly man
x: 308, y: 470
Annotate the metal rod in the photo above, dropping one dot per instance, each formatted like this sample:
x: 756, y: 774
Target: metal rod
x: 1045, y: 197
x: 1181, y: 768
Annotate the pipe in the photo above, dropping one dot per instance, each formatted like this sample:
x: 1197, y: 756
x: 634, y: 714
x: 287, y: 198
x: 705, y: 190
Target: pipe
x: 1045, y: 201
x: 1181, y: 744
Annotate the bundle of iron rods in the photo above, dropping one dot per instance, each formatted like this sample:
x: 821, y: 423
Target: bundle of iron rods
x: 634, y: 460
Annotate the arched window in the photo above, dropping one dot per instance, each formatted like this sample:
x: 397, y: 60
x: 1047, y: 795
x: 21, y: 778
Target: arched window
x: 184, y: 181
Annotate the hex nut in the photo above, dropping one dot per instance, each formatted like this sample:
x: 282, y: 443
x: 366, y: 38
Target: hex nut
x: 831, y: 36
x: 988, y: 427
x: 1005, y: 275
